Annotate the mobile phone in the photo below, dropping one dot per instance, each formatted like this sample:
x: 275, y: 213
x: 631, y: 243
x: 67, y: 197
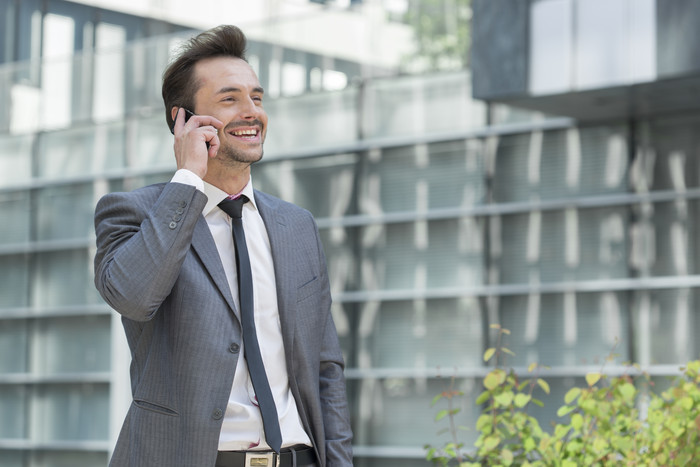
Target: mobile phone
x: 188, y: 114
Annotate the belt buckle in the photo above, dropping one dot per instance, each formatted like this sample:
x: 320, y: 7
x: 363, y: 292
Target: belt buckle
x: 262, y: 459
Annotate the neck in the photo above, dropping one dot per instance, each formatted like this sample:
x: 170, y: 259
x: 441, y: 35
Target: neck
x: 231, y: 181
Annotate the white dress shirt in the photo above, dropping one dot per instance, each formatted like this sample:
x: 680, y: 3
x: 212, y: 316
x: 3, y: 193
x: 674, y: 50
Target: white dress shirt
x: 242, y: 428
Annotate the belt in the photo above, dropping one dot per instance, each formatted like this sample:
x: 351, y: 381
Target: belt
x: 304, y: 456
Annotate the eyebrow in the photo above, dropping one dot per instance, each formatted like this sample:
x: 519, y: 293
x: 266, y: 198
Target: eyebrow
x: 257, y: 89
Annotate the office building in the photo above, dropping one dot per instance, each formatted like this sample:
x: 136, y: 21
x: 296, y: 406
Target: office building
x: 552, y: 189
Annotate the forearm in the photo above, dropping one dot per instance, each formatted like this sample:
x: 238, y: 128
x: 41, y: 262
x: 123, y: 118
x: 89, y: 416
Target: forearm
x: 140, y: 248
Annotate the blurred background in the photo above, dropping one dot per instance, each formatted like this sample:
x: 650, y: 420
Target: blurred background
x: 532, y: 163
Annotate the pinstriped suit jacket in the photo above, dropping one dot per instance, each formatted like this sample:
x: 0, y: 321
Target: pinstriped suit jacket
x: 157, y: 265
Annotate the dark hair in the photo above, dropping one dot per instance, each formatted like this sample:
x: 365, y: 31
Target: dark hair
x: 179, y: 86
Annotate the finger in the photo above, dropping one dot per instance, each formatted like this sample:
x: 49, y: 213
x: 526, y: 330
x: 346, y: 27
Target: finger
x: 213, y: 145
x: 208, y: 120
x: 179, y: 120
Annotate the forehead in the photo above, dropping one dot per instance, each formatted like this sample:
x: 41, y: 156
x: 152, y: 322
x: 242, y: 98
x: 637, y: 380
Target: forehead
x: 217, y: 72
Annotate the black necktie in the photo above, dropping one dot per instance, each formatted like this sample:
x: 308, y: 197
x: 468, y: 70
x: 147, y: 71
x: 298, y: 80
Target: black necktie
x: 233, y: 208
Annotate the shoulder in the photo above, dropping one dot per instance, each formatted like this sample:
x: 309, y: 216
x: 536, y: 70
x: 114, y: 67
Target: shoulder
x: 147, y: 194
x: 267, y: 202
x: 150, y: 195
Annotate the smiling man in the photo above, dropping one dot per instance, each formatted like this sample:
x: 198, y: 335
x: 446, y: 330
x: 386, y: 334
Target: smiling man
x: 222, y: 289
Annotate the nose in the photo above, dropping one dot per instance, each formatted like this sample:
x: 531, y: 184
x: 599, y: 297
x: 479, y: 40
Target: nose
x: 248, y: 110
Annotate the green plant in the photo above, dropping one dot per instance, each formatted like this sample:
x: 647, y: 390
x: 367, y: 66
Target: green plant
x: 610, y: 421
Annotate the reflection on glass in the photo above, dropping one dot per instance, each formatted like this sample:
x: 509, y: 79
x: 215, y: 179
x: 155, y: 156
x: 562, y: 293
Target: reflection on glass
x: 13, y: 347
x: 71, y: 345
x: 665, y: 326
x: 64, y: 211
x: 15, y: 209
x: 63, y: 278
x: 421, y: 177
x: 57, y: 71
x: 421, y: 105
x: 382, y: 418
x: 62, y: 412
x: 393, y: 255
x: 108, y: 91
x: 421, y: 334
x: 570, y: 329
x: 13, y: 406
x: 14, y: 281
x: 15, y: 159
x: 153, y: 143
x: 311, y: 121
x: 79, y: 151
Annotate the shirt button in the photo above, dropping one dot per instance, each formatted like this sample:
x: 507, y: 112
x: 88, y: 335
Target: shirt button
x: 172, y: 225
x: 234, y: 348
x: 183, y: 204
x: 177, y: 217
x: 217, y: 414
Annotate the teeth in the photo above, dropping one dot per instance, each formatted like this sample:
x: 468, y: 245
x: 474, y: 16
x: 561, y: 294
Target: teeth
x: 245, y: 132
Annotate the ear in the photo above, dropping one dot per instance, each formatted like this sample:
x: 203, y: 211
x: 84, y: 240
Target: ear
x: 173, y: 112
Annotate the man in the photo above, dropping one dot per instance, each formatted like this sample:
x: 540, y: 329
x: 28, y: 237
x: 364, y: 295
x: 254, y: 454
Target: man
x: 168, y: 263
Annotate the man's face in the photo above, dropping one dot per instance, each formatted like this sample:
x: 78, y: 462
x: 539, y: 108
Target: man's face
x: 230, y: 91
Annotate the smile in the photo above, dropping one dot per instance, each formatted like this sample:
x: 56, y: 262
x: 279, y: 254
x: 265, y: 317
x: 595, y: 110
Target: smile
x: 252, y: 132
x: 245, y: 133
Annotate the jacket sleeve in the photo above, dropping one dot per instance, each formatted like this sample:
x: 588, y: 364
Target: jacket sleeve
x: 332, y: 388
x: 142, y: 239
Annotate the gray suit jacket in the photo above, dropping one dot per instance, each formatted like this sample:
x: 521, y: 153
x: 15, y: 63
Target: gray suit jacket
x: 157, y: 264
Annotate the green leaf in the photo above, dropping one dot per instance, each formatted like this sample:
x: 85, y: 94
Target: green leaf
x: 507, y: 456
x: 529, y: 444
x: 508, y: 351
x: 571, y: 395
x: 504, y: 399
x: 494, y: 379
x: 543, y: 384
x: 627, y: 391
x: 560, y: 431
x: 600, y: 445
x: 577, y: 421
x: 482, y: 421
x: 593, y: 378
x: 491, y: 442
x: 532, y: 367
x: 489, y: 353
x: 440, y: 415
x: 483, y: 397
x: 565, y: 410
x: 436, y: 399
x: 538, y: 402
x: 687, y: 403
x: 521, y: 400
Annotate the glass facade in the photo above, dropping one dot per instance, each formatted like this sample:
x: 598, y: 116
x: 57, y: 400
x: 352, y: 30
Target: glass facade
x: 440, y: 215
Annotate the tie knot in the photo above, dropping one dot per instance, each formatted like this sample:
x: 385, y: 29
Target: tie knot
x: 233, y: 207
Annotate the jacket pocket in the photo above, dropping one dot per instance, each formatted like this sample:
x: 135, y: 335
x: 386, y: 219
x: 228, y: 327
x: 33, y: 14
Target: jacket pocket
x: 307, y: 289
x: 161, y: 409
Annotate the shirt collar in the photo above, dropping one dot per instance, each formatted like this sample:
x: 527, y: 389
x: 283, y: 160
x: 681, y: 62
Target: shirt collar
x: 216, y: 195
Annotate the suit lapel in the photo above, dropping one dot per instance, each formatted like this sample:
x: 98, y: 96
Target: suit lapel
x: 203, y: 244
x: 283, y: 260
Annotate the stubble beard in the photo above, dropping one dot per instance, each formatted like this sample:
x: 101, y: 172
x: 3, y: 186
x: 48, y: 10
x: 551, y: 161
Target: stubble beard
x: 233, y: 157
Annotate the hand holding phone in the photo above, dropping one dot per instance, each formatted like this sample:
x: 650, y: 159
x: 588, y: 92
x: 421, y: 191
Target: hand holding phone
x: 190, y: 153
x: 188, y: 114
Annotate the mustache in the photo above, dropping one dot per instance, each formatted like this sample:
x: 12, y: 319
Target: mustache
x: 233, y: 125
